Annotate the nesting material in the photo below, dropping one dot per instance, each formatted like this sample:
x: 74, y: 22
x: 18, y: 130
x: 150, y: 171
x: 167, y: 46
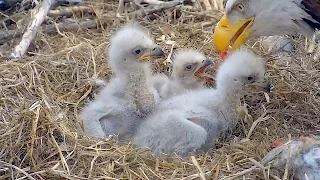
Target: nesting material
x: 193, y: 120
x: 41, y: 96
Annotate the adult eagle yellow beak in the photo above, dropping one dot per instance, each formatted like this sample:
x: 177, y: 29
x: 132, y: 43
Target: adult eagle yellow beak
x: 245, y: 19
x: 228, y: 36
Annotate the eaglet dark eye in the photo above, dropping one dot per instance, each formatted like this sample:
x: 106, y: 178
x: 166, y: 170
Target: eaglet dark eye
x: 138, y: 51
x: 189, y: 67
x: 250, y: 78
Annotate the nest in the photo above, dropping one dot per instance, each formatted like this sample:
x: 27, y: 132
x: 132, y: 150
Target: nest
x: 42, y: 94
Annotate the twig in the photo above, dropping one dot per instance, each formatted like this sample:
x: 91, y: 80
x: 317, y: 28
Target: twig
x: 195, y: 162
x: 91, y: 166
x: 207, y: 4
x: 217, y: 4
x: 8, y: 20
x: 214, y: 4
x: 216, y: 15
x: 312, y: 44
x: 256, y: 122
x: 261, y: 167
x: 73, y: 26
x: 154, y: 2
x: 69, y: 11
x: 235, y: 176
x: 63, y: 27
x: 168, y: 60
x: 35, y: 173
x: 63, y: 160
x: 195, y: 176
x: 151, y: 2
x: 120, y: 8
x: 33, y: 134
x: 10, y: 34
x: 158, y: 8
x: 275, y: 177
x: 63, y: 11
x: 37, y: 19
x: 18, y: 169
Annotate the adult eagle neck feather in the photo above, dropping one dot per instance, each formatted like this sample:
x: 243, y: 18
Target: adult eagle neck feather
x: 312, y: 7
x: 244, y: 19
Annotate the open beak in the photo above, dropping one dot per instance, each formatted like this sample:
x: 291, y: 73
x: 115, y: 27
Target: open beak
x: 155, y: 52
x: 264, y: 86
x: 229, y: 36
x: 201, y: 71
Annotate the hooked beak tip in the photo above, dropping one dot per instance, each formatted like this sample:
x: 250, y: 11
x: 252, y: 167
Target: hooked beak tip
x: 207, y: 62
x: 155, y: 52
x: 158, y: 52
x: 201, y: 71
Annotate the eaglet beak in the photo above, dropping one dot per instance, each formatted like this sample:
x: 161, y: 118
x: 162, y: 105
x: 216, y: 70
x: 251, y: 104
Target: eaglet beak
x: 201, y: 71
x: 264, y: 86
x: 229, y: 36
x: 156, y: 51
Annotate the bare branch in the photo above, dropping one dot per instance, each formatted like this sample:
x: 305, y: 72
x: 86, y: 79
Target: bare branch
x: 40, y: 13
x: 157, y: 8
x: 69, y: 11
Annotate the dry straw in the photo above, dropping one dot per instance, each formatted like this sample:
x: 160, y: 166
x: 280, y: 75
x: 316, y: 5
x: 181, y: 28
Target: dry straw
x: 41, y: 95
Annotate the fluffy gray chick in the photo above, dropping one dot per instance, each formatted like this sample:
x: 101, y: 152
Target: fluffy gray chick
x: 117, y: 108
x: 191, y: 121
x: 188, y: 73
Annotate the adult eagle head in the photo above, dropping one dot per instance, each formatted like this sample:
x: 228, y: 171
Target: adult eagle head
x: 245, y: 19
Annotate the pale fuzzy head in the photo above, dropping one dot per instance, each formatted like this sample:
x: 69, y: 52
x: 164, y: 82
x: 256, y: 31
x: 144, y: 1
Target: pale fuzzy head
x: 271, y: 17
x: 186, y: 62
x: 242, y: 68
x: 128, y: 45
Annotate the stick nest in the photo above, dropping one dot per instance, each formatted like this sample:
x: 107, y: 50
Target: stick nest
x: 42, y: 94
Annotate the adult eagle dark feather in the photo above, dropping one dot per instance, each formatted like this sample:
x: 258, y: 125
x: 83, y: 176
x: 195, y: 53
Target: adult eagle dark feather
x: 244, y: 19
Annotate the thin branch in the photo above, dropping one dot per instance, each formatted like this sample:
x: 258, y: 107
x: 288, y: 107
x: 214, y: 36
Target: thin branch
x: 241, y: 173
x: 18, y: 169
x: 36, y: 20
x: 120, y: 8
x: 158, y: 8
x: 207, y: 4
x: 69, y: 11
x: 63, y: 27
x: 195, y: 162
x: 154, y: 2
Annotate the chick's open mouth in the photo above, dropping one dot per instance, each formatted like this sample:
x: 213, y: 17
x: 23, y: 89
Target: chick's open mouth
x: 201, y: 72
